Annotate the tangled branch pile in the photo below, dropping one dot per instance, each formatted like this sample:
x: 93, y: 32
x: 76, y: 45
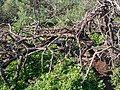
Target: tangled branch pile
x: 73, y: 42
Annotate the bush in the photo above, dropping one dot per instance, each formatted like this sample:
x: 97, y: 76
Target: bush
x: 9, y: 10
x: 116, y: 78
x: 65, y: 77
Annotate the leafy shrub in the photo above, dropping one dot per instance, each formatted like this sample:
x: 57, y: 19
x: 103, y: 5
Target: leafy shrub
x: 98, y: 39
x: 9, y: 10
x: 9, y: 71
x: 116, y: 78
x: 65, y: 77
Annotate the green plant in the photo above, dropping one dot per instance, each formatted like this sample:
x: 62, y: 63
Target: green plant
x: 66, y: 76
x: 93, y: 82
x: 9, y: 75
x: 98, y: 39
x: 116, y: 78
x: 9, y: 10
